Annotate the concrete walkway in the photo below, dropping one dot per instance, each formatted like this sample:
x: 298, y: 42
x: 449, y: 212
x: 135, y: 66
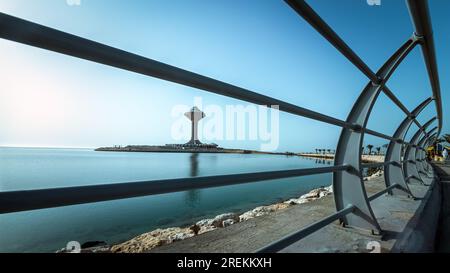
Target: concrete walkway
x: 397, y: 215
x: 443, y: 237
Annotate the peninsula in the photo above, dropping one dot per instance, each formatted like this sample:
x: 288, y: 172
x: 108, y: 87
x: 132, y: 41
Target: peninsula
x: 193, y: 146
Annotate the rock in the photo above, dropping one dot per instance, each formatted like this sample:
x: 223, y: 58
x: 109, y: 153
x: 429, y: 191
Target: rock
x: 323, y: 194
x: 219, y: 219
x: 263, y: 210
x: 278, y: 206
x: 160, y: 237
x: 150, y: 240
x: 312, y: 194
x: 180, y: 236
x: 296, y: 201
x: 205, y: 229
x: 227, y: 222
x: 316, y: 193
x: 195, y: 228
x: 205, y: 222
x: 89, y: 247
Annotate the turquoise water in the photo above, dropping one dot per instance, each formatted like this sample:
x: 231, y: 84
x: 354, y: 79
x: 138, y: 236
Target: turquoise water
x: 115, y: 221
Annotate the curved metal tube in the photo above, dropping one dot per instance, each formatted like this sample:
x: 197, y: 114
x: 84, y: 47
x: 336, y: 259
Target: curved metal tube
x: 420, y: 15
x: 348, y: 185
x: 422, y: 163
x: 393, y: 174
x: 409, y: 159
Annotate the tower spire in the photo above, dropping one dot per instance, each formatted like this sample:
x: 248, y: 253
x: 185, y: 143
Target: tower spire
x: 194, y: 115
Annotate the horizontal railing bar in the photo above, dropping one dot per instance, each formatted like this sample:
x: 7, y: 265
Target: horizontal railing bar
x: 22, y: 31
x: 376, y: 164
x: 431, y: 131
x: 310, y: 16
x: 423, y: 127
x: 396, y: 60
x: 409, y: 46
x: 418, y: 110
x: 305, y: 11
x: 418, y: 125
x: 420, y: 15
x: 14, y: 201
x: 400, y: 105
x: 381, y: 135
x: 395, y: 100
x: 298, y: 235
x: 386, y: 190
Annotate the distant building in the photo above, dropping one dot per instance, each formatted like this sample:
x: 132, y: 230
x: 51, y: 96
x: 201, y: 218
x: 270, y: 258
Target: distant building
x: 195, y: 115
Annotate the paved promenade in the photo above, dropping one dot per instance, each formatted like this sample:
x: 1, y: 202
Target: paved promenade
x: 395, y: 214
x: 443, y: 238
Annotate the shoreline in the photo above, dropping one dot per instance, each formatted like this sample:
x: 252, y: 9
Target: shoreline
x: 164, y: 236
x: 159, y: 237
x: 365, y: 158
x: 165, y: 149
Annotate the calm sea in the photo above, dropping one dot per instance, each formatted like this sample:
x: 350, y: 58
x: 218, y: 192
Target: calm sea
x: 115, y: 221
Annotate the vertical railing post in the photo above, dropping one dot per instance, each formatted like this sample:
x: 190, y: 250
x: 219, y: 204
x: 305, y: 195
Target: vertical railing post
x: 409, y: 159
x: 421, y: 157
x: 393, y: 173
x: 349, y: 186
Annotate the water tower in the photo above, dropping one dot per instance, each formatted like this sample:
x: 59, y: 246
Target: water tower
x: 195, y: 115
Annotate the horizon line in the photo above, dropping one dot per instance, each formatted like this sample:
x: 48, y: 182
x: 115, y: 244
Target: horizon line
x: 44, y: 147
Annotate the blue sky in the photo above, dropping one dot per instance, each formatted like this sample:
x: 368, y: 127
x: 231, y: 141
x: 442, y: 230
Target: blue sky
x: 48, y: 99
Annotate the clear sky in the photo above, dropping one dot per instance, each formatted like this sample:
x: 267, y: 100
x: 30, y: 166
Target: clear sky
x: 49, y: 99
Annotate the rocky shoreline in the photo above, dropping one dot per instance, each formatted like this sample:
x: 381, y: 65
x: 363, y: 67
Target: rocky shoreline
x: 160, y: 237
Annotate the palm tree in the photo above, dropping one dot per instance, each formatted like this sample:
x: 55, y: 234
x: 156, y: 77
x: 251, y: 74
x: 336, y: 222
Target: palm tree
x: 370, y: 147
x: 385, y: 147
x: 329, y: 151
x: 362, y: 150
x: 317, y: 151
x: 378, y: 150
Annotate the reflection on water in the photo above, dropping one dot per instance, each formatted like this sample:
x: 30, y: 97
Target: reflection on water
x: 193, y: 196
x: 193, y: 159
x: 120, y: 220
x: 324, y: 161
x: 320, y: 161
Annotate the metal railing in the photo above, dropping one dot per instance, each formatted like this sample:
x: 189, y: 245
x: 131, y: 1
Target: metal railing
x: 352, y: 203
